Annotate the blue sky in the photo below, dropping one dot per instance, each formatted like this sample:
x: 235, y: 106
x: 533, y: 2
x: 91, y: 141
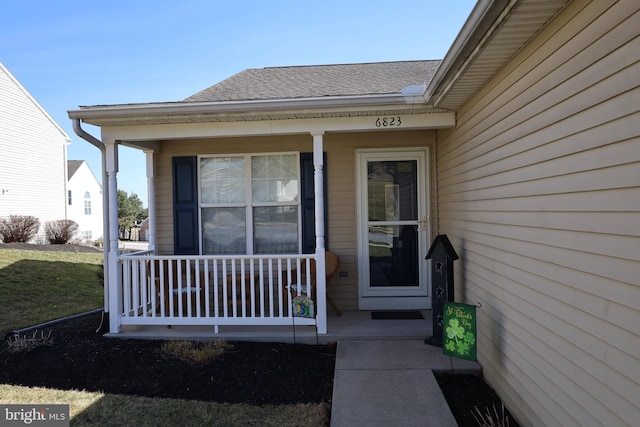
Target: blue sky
x: 68, y: 53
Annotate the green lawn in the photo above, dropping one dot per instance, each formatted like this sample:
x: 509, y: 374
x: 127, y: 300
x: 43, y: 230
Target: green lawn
x: 38, y: 286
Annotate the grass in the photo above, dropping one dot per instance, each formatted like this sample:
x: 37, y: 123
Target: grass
x: 90, y: 409
x: 196, y: 352
x: 39, y: 286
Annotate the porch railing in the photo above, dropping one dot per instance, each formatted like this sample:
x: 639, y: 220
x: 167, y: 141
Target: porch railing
x: 214, y: 290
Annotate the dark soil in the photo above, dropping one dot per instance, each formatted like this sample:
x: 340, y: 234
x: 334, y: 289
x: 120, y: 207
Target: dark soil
x: 250, y: 372
x: 464, y: 393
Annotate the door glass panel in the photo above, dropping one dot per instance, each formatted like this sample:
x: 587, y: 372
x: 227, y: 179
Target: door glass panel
x: 392, y: 190
x: 393, y: 251
x: 392, y: 198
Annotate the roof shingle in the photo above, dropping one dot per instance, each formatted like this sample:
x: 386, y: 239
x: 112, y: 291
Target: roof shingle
x: 319, y: 81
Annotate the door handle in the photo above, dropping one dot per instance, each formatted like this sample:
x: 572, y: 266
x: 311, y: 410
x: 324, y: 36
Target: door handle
x: 422, y: 223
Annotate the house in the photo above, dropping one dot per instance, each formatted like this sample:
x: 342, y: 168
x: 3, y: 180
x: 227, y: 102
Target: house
x: 522, y: 146
x: 84, y: 201
x: 30, y: 185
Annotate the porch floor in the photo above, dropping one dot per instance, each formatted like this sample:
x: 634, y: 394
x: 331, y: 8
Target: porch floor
x: 351, y: 326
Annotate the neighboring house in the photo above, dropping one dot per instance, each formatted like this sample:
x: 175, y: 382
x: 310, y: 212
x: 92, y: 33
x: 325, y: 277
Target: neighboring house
x: 33, y: 157
x: 84, y: 201
x: 143, y: 233
x: 522, y: 146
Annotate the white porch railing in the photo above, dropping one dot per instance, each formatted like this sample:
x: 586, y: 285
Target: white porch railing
x: 214, y: 290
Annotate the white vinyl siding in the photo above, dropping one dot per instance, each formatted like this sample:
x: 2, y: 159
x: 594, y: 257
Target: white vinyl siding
x: 539, y: 191
x: 33, y: 148
x: 81, y: 184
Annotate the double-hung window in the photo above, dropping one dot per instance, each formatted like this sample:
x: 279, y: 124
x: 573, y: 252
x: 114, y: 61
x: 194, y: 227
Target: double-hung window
x: 250, y: 203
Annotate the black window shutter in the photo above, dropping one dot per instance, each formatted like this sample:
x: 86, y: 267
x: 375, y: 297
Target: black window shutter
x: 185, y: 206
x: 308, y: 203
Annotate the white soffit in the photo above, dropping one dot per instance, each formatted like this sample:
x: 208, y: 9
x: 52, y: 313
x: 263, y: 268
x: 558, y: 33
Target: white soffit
x: 521, y: 21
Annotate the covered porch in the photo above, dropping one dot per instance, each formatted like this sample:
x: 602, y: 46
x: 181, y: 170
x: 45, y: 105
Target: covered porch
x: 273, y: 221
x: 351, y: 325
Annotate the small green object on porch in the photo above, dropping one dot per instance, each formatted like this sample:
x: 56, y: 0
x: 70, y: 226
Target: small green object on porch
x: 459, y: 337
x: 303, y: 307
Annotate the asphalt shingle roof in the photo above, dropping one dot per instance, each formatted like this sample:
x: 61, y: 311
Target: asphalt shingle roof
x: 73, y: 166
x: 316, y: 81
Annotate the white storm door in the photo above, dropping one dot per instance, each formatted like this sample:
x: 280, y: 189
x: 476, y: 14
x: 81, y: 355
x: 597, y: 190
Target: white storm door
x: 393, y: 229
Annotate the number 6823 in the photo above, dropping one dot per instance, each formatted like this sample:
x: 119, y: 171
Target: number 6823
x: 386, y: 122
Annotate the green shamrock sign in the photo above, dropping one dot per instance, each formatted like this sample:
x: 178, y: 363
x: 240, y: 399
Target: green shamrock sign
x: 459, y: 323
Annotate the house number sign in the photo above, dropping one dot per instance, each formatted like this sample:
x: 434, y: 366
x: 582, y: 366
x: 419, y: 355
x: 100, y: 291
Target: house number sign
x: 388, y: 122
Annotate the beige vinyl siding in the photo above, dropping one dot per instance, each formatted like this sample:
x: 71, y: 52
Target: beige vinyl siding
x: 539, y: 191
x: 33, y: 157
x: 340, y: 150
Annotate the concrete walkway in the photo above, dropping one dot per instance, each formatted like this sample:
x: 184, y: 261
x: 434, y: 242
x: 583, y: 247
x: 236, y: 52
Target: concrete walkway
x: 391, y: 383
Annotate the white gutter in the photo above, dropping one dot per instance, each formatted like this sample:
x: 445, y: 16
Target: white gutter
x: 188, y: 108
x: 77, y: 128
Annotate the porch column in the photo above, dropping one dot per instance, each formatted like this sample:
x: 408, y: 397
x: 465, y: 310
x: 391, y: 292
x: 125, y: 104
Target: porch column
x: 115, y: 293
x: 318, y: 186
x: 151, y: 194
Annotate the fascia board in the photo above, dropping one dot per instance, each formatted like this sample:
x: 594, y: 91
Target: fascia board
x: 156, y: 132
x: 235, y: 107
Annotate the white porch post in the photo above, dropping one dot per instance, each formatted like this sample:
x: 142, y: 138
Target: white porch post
x: 115, y: 290
x: 321, y: 279
x: 151, y: 194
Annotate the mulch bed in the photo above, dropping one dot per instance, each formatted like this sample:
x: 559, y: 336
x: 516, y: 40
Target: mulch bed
x: 251, y: 372
x: 464, y: 393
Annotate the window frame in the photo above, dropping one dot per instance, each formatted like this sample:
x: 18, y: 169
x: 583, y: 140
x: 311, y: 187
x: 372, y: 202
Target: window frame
x: 87, y: 203
x: 248, y: 205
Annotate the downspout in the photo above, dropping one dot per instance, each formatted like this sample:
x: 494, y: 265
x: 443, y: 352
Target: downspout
x: 77, y: 128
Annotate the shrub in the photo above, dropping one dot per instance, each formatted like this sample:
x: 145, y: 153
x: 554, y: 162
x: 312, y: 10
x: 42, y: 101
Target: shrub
x: 18, y: 228
x: 26, y: 343
x: 61, y: 231
x: 491, y: 419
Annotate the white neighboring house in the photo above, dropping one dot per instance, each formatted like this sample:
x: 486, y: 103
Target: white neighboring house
x: 84, y: 201
x: 33, y: 155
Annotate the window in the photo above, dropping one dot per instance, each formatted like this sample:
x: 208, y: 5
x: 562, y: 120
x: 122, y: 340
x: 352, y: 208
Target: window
x: 69, y: 197
x: 87, y: 203
x: 250, y: 204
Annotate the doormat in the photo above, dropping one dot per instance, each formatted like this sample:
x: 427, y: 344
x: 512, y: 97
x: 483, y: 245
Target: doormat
x: 396, y: 315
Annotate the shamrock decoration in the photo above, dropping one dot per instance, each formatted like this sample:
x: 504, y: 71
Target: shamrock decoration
x: 454, y: 330
x: 450, y: 346
x: 457, y: 340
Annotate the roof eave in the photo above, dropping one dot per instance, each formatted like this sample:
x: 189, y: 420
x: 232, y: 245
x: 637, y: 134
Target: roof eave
x: 135, y: 111
x: 459, y: 49
x: 489, y: 29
